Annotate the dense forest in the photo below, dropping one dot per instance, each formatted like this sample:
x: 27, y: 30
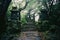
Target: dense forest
x: 45, y: 14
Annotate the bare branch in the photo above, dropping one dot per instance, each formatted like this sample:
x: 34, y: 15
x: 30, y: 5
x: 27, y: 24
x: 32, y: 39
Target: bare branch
x: 24, y: 6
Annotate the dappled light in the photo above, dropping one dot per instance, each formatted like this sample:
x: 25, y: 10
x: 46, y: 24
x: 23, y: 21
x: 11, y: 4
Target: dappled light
x: 29, y: 19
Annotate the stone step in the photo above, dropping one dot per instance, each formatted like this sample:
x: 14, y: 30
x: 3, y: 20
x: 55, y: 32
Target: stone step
x: 28, y: 26
x: 28, y: 29
x: 29, y: 35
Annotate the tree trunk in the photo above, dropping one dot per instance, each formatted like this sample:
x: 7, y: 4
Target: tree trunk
x: 3, y: 8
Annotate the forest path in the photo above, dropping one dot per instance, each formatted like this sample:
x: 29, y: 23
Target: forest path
x: 29, y: 35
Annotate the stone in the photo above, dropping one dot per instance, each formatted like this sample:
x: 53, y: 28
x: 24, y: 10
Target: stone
x: 29, y: 35
x: 29, y: 26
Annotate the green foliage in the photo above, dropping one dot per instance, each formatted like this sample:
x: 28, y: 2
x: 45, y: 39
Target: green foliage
x: 53, y: 19
x: 23, y: 18
x: 49, y: 21
x: 43, y: 26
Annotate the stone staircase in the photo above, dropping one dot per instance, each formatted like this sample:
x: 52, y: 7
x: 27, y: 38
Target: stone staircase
x: 29, y: 26
x: 28, y: 32
x: 29, y: 35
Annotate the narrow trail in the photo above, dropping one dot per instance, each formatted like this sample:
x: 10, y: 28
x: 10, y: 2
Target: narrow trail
x: 29, y: 32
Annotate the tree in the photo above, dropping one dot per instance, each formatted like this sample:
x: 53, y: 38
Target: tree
x: 3, y: 8
x: 53, y: 9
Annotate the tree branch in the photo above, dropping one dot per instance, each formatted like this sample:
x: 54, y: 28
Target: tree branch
x: 24, y: 6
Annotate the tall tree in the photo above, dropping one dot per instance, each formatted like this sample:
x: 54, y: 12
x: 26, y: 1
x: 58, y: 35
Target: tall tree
x: 3, y: 8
